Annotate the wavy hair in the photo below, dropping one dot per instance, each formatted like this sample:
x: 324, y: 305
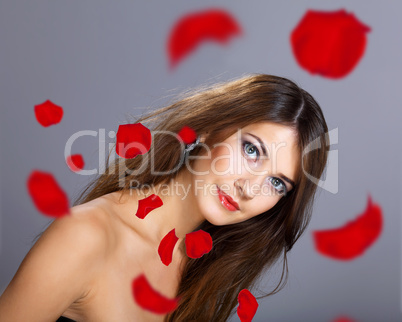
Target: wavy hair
x: 241, y: 252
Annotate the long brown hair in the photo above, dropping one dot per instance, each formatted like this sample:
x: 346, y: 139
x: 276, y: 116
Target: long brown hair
x: 241, y: 252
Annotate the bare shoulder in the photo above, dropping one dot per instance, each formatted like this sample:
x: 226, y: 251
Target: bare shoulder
x: 86, y: 226
x: 59, y: 268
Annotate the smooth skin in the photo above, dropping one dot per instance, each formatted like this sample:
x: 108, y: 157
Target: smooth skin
x: 83, y: 265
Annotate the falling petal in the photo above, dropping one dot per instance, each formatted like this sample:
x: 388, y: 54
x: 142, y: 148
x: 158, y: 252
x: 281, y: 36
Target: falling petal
x: 75, y: 162
x: 193, y: 29
x: 48, y: 113
x: 187, y: 135
x: 132, y: 140
x: 343, y: 319
x: 354, y: 238
x: 47, y: 195
x: 166, y: 246
x: 148, y: 204
x: 329, y: 43
x: 198, y: 243
x: 149, y: 299
x: 247, y: 306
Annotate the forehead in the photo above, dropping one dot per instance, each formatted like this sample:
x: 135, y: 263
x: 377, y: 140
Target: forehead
x: 281, y: 144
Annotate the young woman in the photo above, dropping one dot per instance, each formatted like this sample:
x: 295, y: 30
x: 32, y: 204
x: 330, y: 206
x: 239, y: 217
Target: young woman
x: 244, y: 183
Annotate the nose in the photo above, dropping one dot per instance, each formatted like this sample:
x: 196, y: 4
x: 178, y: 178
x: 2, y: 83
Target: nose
x: 248, y: 188
x: 243, y: 189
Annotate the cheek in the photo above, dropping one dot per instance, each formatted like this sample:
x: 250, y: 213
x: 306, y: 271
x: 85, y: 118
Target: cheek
x: 201, y: 167
x: 222, y: 160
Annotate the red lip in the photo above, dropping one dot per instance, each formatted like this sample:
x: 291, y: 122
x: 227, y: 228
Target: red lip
x: 226, y: 199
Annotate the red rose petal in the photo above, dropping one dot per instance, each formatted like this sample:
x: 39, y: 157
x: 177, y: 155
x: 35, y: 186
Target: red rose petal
x: 132, y: 139
x: 343, y: 319
x: 187, y: 135
x: 354, y: 238
x: 148, y: 204
x: 75, y: 162
x: 329, y: 43
x: 166, y: 246
x: 47, y: 195
x: 192, y: 29
x: 247, y: 306
x: 149, y: 299
x: 48, y: 113
x: 198, y: 243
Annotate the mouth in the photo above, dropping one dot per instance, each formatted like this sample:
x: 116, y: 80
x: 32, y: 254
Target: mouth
x: 227, y: 201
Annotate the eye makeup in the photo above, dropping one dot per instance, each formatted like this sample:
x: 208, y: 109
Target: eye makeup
x: 249, y: 149
x: 261, y: 143
x: 278, y: 185
x: 252, y: 151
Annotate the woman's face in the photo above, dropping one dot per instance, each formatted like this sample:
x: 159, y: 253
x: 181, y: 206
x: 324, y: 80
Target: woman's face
x: 246, y: 174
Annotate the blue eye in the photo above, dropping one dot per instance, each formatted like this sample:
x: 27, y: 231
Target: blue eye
x: 251, y: 150
x: 279, y: 185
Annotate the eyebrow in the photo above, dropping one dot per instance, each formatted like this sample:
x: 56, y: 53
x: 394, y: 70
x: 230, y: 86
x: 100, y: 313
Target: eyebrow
x: 261, y: 143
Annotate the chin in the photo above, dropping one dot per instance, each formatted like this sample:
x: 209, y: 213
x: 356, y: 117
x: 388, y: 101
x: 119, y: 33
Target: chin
x: 218, y: 222
x: 216, y: 214
x: 222, y: 218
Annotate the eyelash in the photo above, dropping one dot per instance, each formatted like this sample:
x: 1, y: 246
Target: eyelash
x: 282, y: 191
x: 256, y: 149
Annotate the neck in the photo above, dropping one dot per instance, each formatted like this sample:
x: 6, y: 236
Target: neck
x: 179, y: 210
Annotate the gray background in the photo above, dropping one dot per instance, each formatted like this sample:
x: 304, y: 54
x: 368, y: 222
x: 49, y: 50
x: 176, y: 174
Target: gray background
x: 103, y: 61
